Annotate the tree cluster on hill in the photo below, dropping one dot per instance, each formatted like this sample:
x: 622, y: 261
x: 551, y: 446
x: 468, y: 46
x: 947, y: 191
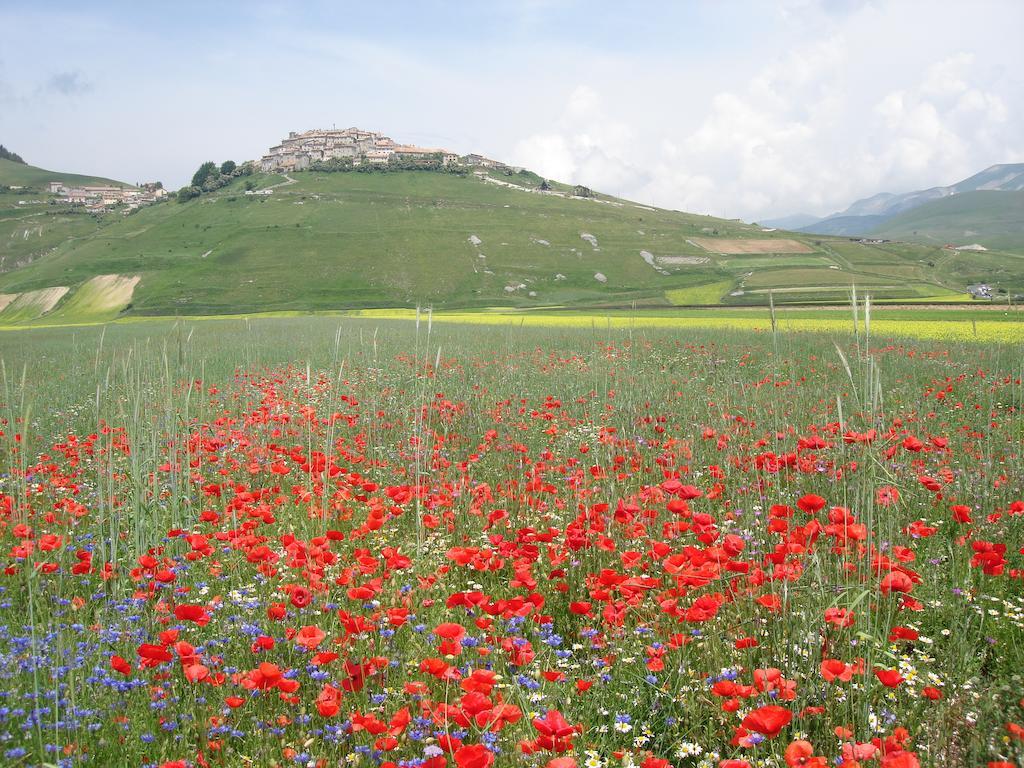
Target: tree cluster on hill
x: 210, y: 176
x: 434, y: 163
x: 6, y: 154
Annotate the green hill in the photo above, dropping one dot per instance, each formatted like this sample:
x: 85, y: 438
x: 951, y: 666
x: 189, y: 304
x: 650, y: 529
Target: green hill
x: 19, y: 174
x: 32, y: 223
x: 354, y: 240
x: 994, y: 219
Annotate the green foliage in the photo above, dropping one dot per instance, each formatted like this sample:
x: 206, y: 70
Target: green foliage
x: 188, y: 193
x: 209, y: 178
x: 526, y: 178
x: 6, y: 154
x: 205, y: 171
x: 433, y: 163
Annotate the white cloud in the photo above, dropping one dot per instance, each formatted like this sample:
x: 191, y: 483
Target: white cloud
x: 870, y: 104
x: 584, y: 143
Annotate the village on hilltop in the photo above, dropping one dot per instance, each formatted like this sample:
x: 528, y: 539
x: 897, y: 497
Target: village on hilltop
x: 300, y: 150
x: 100, y: 197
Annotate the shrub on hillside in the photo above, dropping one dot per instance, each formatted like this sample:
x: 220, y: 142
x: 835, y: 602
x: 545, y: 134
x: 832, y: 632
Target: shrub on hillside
x: 210, y: 177
x: 6, y: 154
x: 433, y: 163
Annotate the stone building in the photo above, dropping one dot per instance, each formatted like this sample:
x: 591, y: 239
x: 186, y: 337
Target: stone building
x: 299, y: 150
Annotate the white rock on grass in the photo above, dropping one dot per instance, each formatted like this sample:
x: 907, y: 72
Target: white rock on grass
x: 648, y: 257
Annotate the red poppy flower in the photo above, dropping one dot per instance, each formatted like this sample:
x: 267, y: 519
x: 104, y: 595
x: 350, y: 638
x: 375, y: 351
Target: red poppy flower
x: 834, y: 669
x: 961, y: 513
x: 310, y: 636
x: 154, y: 653
x: 811, y: 503
x: 887, y: 495
x: 896, y: 581
x: 890, y: 678
x: 328, y: 703
x: 450, y: 631
x: 474, y: 756
x: 903, y: 633
x: 839, y: 617
x: 194, y: 613
x: 770, y: 601
x: 900, y: 759
x: 768, y: 720
x: 801, y: 753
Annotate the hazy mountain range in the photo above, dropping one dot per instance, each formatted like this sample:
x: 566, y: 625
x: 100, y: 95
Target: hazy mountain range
x: 881, y: 214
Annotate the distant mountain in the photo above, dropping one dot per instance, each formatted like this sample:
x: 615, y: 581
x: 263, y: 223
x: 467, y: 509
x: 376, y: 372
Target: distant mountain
x: 870, y: 213
x: 791, y: 223
x: 845, y: 226
x: 992, y: 218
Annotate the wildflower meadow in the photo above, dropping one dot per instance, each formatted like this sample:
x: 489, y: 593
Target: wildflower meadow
x: 396, y: 543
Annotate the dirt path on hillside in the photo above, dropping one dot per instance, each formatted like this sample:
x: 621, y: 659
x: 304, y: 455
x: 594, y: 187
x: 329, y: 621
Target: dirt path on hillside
x: 289, y: 180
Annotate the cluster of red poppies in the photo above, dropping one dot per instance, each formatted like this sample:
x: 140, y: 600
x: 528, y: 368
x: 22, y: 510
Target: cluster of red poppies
x: 556, y: 581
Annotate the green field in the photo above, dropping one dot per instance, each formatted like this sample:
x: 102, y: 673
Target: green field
x: 341, y: 241
x: 286, y: 541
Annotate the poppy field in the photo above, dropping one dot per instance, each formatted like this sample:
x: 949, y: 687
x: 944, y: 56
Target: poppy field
x: 383, y: 543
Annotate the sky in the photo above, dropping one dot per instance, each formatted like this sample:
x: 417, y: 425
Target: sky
x: 744, y: 110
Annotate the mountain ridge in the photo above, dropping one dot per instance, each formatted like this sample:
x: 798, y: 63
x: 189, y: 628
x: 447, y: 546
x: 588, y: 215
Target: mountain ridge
x: 866, y: 215
x: 993, y: 218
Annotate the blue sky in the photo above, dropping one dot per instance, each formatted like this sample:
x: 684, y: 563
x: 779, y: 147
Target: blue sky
x: 738, y: 109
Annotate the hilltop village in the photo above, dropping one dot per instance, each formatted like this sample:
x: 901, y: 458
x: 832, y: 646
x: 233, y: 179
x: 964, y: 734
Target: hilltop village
x: 101, y: 197
x: 301, y: 151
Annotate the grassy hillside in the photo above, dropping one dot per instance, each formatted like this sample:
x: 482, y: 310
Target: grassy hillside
x: 354, y: 240
x: 30, y: 224
x: 17, y: 174
x: 994, y: 219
